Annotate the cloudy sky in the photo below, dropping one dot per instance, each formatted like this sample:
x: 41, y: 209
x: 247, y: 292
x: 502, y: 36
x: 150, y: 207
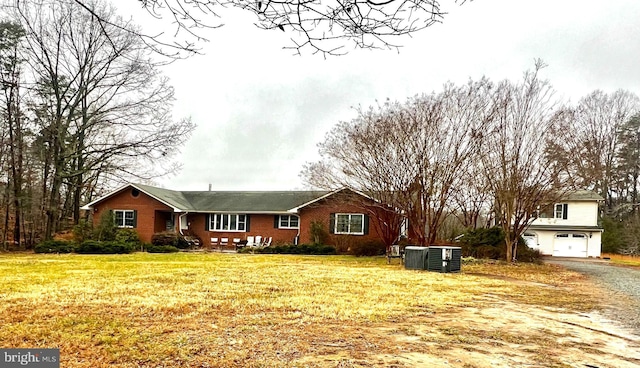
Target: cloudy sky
x: 260, y: 110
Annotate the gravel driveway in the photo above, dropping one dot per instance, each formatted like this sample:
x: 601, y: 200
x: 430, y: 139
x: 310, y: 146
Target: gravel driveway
x: 621, y: 281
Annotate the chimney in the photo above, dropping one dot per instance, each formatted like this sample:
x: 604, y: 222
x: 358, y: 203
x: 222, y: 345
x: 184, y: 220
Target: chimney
x: 209, y: 186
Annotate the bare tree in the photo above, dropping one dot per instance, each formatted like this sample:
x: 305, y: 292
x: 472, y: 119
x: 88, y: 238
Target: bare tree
x: 590, y: 143
x: 102, y: 106
x: 325, y: 26
x: 367, y: 155
x: 11, y: 35
x: 410, y: 155
x: 472, y: 196
x: 519, y: 173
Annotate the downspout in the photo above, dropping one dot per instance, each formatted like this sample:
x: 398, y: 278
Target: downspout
x: 180, y: 222
x: 297, y: 239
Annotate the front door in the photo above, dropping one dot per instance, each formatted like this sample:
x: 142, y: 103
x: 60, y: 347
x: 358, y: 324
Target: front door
x: 170, y: 222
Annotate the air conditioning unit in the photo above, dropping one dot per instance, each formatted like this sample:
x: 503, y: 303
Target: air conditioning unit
x: 444, y: 259
x: 415, y: 258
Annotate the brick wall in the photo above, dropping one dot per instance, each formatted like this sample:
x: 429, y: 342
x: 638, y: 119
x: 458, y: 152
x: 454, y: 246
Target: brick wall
x: 321, y: 211
x: 148, y: 220
x: 262, y: 225
x: 152, y: 216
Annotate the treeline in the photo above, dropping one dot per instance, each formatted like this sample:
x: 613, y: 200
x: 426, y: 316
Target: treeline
x: 488, y: 153
x: 83, y: 104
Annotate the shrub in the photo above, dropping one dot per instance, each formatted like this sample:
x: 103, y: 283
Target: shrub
x: 127, y: 236
x: 170, y: 238
x: 312, y: 249
x: 54, y: 246
x: 344, y: 243
x: 161, y: 249
x: 82, y: 231
x: 613, y: 237
x: 486, y: 251
x: 526, y: 254
x: 104, y: 247
x: 483, y: 243
x: 319, y: 234
x: 106, y: 228
x: 368, y: 248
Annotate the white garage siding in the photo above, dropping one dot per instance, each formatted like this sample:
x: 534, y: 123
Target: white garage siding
x: 570, y: 246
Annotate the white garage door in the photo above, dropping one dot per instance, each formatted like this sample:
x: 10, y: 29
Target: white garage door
x: 531, y: 240
x: 570, y: 245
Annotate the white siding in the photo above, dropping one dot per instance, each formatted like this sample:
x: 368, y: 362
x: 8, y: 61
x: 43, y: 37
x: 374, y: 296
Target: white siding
x: 583, y: 213
x: 546, y: 239
x: 594, y: 245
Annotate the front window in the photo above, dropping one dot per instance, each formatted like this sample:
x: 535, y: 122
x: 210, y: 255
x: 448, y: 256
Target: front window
x: 124, y: 218
x: 349, y: 223
x: 227, y: 222
x: 289, y: 222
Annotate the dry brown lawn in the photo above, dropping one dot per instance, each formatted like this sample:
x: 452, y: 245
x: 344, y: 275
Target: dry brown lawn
x: 243, y: 310
x: 624, y: 260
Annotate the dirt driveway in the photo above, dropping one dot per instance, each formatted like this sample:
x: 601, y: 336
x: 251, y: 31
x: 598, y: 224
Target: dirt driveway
x: 496, y: 332
x: 623, y: 284
x: 493, y: 331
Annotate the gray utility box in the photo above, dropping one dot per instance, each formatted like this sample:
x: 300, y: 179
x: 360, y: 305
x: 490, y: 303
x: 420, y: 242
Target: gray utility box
x: 444, y: 259
x: 415, y: 258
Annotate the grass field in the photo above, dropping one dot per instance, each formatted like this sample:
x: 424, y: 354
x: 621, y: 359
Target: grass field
x: 241, y: 310
x: 620, y: 259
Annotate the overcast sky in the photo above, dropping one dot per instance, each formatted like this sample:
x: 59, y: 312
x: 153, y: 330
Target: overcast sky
x: 260, y: 110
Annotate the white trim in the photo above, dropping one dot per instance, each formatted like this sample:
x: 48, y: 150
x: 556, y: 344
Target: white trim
x: 124, y: 219
x: 213, y: 221
x: 289, y: 222
x: 89, y: 205
x: 296, y: 209
x: 349, y: 232
x: 246, y: 212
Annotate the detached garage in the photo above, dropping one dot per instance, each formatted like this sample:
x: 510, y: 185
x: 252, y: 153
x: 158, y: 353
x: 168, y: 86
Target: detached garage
x: 568, y: 228
x: 565, y: 242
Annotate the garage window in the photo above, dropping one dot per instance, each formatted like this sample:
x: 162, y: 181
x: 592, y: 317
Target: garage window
x: 568, y: 235
x: 560, y: 211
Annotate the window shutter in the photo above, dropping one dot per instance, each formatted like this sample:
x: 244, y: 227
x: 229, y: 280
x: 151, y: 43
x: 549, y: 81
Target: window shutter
x: 207, y: 221
x: 247, y: 223
x: 276, y: 221
x: 365, y: 226
x: 135, y: 218
x: 565, y: 207
x: 332, y: 223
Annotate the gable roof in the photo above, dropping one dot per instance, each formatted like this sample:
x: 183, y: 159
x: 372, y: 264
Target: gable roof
x: 249, y: 202
x: 224, y: 201
x: 583, y: 195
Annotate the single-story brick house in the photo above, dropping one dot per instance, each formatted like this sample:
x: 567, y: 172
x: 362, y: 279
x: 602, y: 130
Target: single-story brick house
x: 285, y: 216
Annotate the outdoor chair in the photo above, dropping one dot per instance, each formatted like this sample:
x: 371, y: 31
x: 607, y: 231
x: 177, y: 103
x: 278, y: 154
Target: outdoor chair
x: 223, y: 243
x: 214, y: 242
x: 192, y: 240
x: 239, y: 244
x: 258, y: 241
x: 395, y: 251
x: 250, y: 242
x: 267, y: 242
